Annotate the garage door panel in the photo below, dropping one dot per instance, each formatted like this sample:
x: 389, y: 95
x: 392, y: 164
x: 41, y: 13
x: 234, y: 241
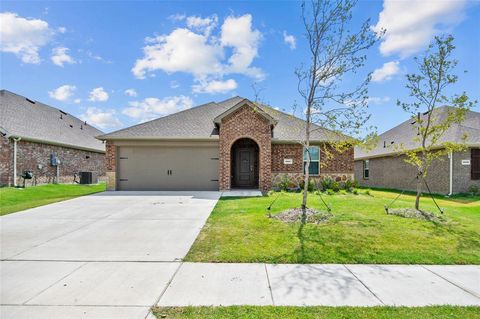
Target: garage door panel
x: 168, y: 168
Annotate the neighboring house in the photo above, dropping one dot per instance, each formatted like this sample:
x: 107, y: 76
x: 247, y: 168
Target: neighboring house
x: 384, y: 166
x: 31, y: 133
x: 219, y: 146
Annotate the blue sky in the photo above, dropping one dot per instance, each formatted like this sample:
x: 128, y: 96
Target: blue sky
x: 119, y: 63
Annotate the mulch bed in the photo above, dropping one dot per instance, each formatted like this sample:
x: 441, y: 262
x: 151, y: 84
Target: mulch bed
x: 295, y: 215
x: 416, y: 214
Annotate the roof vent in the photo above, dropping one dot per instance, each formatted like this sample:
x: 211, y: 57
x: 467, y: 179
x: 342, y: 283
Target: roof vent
x: 71, y: 125
x: 81, y: 127
x: 31, y: 101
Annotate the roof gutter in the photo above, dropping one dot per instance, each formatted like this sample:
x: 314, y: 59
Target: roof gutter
x: 29, y: 139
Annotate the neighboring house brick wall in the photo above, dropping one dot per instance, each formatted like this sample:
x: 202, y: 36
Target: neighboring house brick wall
x: 394, y: 172
x: 6, y: 153
x: 462, y: 178
x: 245, y: 123
x: 111, y: 165
x: 30, y: 155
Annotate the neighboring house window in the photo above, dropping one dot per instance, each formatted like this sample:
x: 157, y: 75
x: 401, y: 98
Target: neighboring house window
x: 366, y: 169
x: 475, y: 163
x: 314, y: 167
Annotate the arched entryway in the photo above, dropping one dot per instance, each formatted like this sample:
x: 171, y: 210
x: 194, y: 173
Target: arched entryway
x: 244, y: 163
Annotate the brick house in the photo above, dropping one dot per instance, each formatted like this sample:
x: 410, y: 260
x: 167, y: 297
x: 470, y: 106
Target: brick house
x: 32, y: 132
x: 219, y: 146
x: 384, y: 166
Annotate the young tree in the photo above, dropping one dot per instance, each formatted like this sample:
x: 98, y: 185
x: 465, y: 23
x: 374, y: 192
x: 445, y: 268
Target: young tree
x: 334, y: 52
x: 428, y: 91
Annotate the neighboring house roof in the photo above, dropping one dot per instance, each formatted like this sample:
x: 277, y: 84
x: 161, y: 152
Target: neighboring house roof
x: 38, y: 122
x: 401, y: 137
x: 199, y: 123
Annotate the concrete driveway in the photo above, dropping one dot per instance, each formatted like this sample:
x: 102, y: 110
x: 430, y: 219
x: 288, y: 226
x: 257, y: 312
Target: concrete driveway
x: 108, y: 255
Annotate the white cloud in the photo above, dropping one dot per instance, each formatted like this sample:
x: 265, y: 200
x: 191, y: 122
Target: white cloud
x: 77, y: 101
x: 63, y: 93
x: 386, y: 72
x: 101, y: 118
x: 62, y: 29
x: 180, y: 51
x: 23, y: 36
x: 289, y: 40
x: 177, y: 17
x: 378, y: 100
x: 131, y: 92
x: 152, y: 107
x: 98, y: 94
x: 97, y: 57
x: 196, y: 51
x: 410, y: 25
x: 215, y: 86
x: 60, y: 56
x: 204, y: 25
x: 237, y: 33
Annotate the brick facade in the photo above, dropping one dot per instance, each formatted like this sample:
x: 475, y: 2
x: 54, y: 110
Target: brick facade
x: 36, y: 157
x: 334, y: 164
x: 6, y: 161
x: 111, y: 165
x: 245, y: 122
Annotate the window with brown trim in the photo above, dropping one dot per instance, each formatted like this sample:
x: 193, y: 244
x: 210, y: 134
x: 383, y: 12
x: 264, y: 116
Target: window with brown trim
x: 475, y: 163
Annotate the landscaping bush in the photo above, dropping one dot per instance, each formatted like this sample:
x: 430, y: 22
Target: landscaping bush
x: 473, y: 189
x: 367, y: 192
x: 330, y: 191
x: 285, y: 183
x: 348, y: 185
x: 335, y: 186
x: 326, y: 183
x: 355, y: 191
x: 311, y: 185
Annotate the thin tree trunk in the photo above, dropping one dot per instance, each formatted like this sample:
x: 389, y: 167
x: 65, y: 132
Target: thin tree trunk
x: 307, y: 164
x: 419, y: 192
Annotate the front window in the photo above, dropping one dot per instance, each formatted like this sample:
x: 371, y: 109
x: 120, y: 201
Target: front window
x: 366, y: 169
x: 314, y: 167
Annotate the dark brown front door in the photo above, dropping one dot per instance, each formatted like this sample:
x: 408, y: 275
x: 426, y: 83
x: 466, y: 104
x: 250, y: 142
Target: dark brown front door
x: 245, y: 167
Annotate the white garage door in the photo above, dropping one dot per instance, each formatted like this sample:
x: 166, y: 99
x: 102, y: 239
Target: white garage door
x: 167, y: 168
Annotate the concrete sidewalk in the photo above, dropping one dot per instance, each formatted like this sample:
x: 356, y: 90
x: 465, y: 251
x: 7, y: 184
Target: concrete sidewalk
x: 203, y: 284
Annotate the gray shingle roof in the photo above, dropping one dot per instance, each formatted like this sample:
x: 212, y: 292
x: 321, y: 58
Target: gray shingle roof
x: 35, y: 121
x: 198, y: 122
x: 402, y: 135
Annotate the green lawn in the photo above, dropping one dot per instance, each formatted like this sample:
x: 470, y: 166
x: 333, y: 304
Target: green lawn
x: 252, y: 312
x: 16, y: 199
x: 360, y: 232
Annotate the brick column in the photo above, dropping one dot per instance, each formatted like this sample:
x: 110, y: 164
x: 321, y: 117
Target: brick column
x: 111, y: 165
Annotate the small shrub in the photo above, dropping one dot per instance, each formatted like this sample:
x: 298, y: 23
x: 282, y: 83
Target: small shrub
x: 335, y: 186
x: 367, y: 192
x: 311, y: 185
x: 285, y: 182
x: 355, y: 191
x: 330, y: 191
x: 348, y: 185
x: 473, y: 189
x: 326, y: 183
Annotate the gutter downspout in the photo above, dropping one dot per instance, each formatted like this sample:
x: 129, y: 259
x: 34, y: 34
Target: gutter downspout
x: 15, y: 140
x: 450, y: 156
